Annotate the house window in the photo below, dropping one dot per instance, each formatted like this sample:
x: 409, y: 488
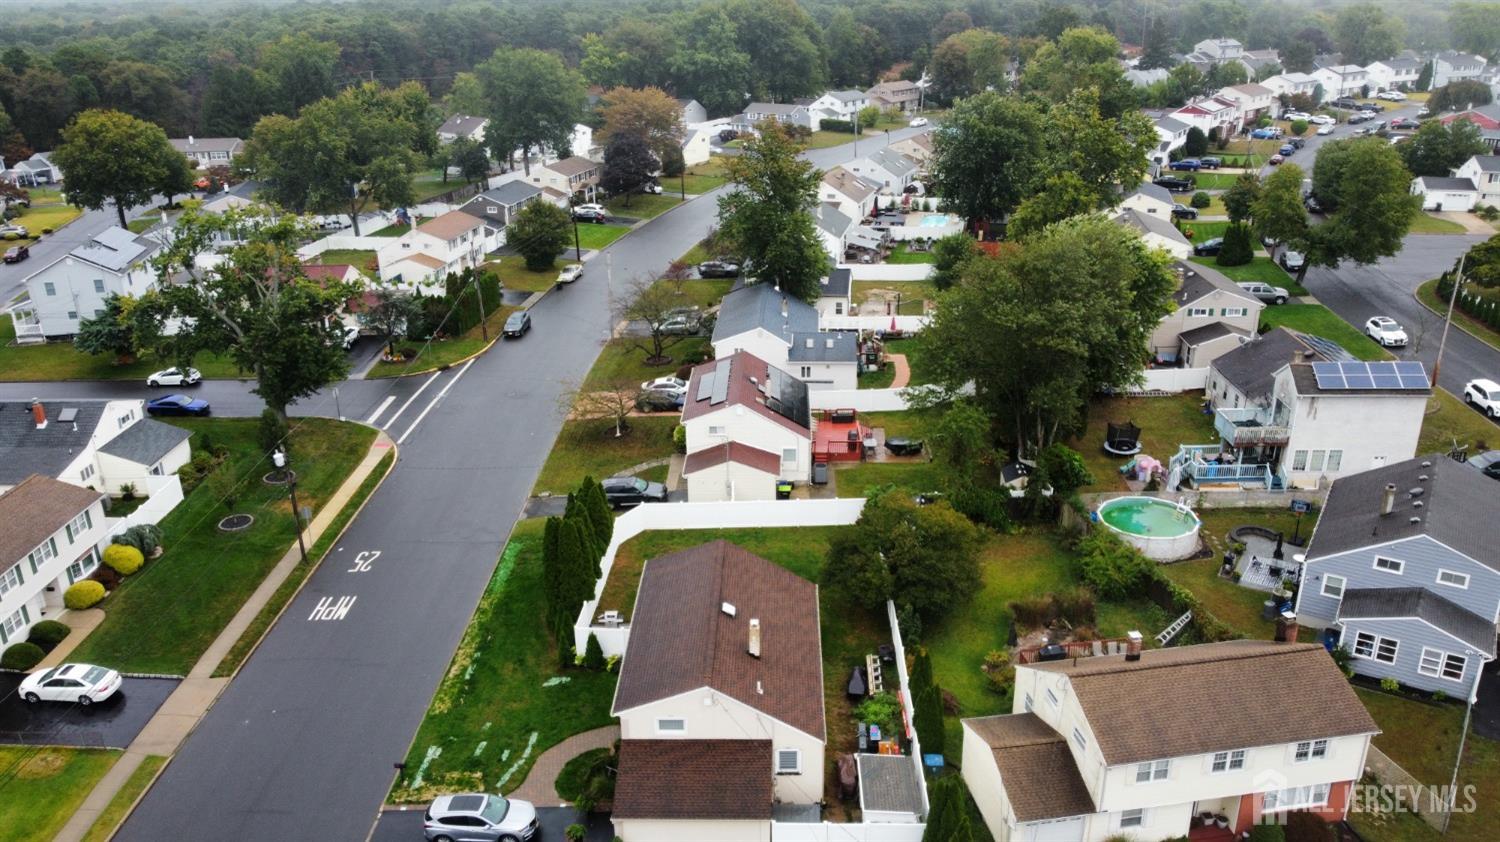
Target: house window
x: 12, y: 625
x: 788, y: 455
x: 1437, y: 663
x: 671, y: 726
x: 1453, y: 579
x: 1296, y: 798
x: 155, y: 470
x: 1234, y: 311
x: 88, y: 471
x: 1310, y: 750
x: 788, y: 761
x: 79, y: 525
x: 1051, y: 698
x: 83, y: 566
x: 11, y: 579
x: 1316, y: 462
x: 1229, y: 761
x: 41, y: 555
x: 73, y: 314
x: 1453, y: 667
x: 1154, y: 771
x: 806, y: 372
x: 1132, y: 818
x: 1333, y: 586
x: 1335, y: 460
x: 1389, y: 565
x: 50, y: 287
x: 1299, y: 460
x: 716, y: 431
x: 1199, y: 312
x: 1083, y: 744
x: 1367, y: 645
x: 98, y: 285
x: 838, y: 308
x: 1028, y: 703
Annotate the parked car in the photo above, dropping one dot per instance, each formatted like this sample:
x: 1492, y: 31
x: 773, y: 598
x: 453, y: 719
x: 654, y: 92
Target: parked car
x: 1391, y: 96
x: 658, y: 402
x: 1276, y: 160
x: 901, y: 446
x: 1186, y: 164
x: 1297, y: 142
x: 1269, y: 133
x: 1322, y: 120
x: 1287, y: 150
x: 350, y: 337
x: 84, y: 684
x: 1487, y: 463
x: 1209, y: 248
x: 1266, y: 292
x: 175, y: 377
x: 1424, y: 111
x: 1371, y: 107
x: 1291, y: 260
x: 517, y: 324
x: 670, y: 385
x: 1345, y: 102
x: 1174, y: 184
x: 1182, y: 211
x: 590, y: 213
x: 177, y: 405
x: 16, y: 254
x: 1312, y: 204
x: 1209, y: 162
x: 726, y: 135
x: 1359, y: 117
x: 480, y: 817
x: 14, y: 232
x: 632, y: 491
x: 651, y: 187
x: 1484, y: 395
x: 685, y: 325
x: 721, y: 267
x: 917, y: 122
x: 1405, y: 123
x: 1296, y: 115
x: 569, y: 274
x: 1386, y: 331
x: 1325, y: 129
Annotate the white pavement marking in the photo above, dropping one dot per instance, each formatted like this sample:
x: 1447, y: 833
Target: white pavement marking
x: 432, y: 403
x: 389, y: 399
x: 392, y: 420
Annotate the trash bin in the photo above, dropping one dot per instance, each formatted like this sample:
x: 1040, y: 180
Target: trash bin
x: 783, y: 489
x: 820, y: 473
x: 1268, y: 610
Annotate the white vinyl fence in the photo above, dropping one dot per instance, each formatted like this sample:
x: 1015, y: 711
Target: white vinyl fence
x: 889, y: 271
x: 908, y: 324
x: 833, y: 832
x: 163, y: 493
x: 1172, y: 380
x: 349, y: 242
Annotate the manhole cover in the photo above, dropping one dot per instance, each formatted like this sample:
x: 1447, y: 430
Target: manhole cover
x: 279, y: 477
x: 236, y: 523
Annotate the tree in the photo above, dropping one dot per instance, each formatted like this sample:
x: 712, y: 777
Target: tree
x: 856, y: 51
x: 236, y: 97
x: 272, y: 432
x: 1063, y: 195
x: 649, y: 115
x: 784, y: 46
x: 1424, y: 78
x: 469, y: 158
x: 948, y: 814
x: 1460, y: 96
x: 300, y: 70
x: 769, y: 217
x: 952, y: 23
x: 600, y: 514
x: 710, y: 66
x: 112, y: 332
x: 1482, y: 265
x: 179, y: 179
x: 552, y: 571
x: 653, y: 305
x: 1156, y: 52
x: 540, y: 231
x: 1366, y: 182
x: 465, y: 96
x: 633, y: 52
x: 1279, y: 214
x: 613, y: 402
x: 1081, y: 58
x: 1476, y: 28
x: 392, y: 314
x: 1185, y: 82
x: 1239, y: 199
x: 986, y: 155
x: 972, y: 61
x: 1365, y: 33
x: 1299, y: 128
x: 1195, y: 145
x: 928, y: 720
x: 1238, y: 248
x: 962, y: 442
x: 1437, y: 149
x: 256, y: 305
x: 628, y: 165
x: 1297, y: 56
x: 114, y: 157
x: 533, y: 100
x: 1064, y: 469
x: 948, y: 256
x: 925, y: 556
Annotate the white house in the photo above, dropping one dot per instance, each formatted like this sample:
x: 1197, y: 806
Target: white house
x: 1210, y: 316
x: 424, y: 257
x: 1218, y: 50
x: 1441, y: 193
x: 784, y: 332
x: 1211, y: 114
x: 51, y: 539
x: 1450, y: 66
x: 834, y: 294
x: 693, y: 112
x: 740, y: 398
x: 462, y: 125
x: 1171, y: 134
x: 1140, y: 745
x: 208, y: 151
x: 1484, y: 172
x: 1149, y: 199
x: 93, y: 444
x: 886, y: 167
x: 1254, y: 101
x: 835, y: 228
x: 788, y: 113
x: 839, y: 105
x: 1393, y: 73
x: 720, y: 698
x: 38, y: 169
x: 1342, y: 80
x: 571, y: 176
x: 1158, y: 232
x: 853, y: 196
x: 74, y: 287
x: 917, y: 147
x: 1292, y: 84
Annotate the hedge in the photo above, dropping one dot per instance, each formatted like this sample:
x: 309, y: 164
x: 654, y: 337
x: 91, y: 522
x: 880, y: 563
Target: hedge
x: 123, y: 558
x: 47, y: 634
x: 81, y: 595
x: 1484, y: 309
x: 22, y: 656
x: 845, y: 126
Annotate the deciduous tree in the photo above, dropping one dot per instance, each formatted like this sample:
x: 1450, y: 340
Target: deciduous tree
x: 769, y: 217
x: 111, y: 332
x: 540, y: 231
x: 469, y: 157
x: 1371, y: 189
x: 648, y: 114
x: 392, y: 314
x: 710, y: 66
x: 652, y: 305
x: 1460, y: 96
x: 534, y: 101
x: 1278, y: 211
x: 1365, y: 33
x: 113, y: 157
x: 1081, y: 57
x: 628, y: 166
x: 1437, y: 149
x: 986, y: 155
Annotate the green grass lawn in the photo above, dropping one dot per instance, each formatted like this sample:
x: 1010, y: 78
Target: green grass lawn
x: 1449, y: 419
x: 622, y: 361
x: 119, y: 806
x: 513, y: 273
x: 902, y: 255
x: 41, y: 787
x: 643, y: 206
x: 61, y: 361
x: 1165, y: 423
x: 47, y: 213
x: 914, y: 294
x: 701, y: 178
x: 859, y: 478
x: 1427, y: 294
x: 396, y: 229
x: 1209, y: 180
x: 429, y: 183
x: 823, y: 140
x: 504, y: 700
x: 434, y: 354
x: 1238, y: 607
x: 1320, y: 321
x: 364, y: 261
x: 695, y: 255
x: 592, y: 236
x: 161, y: 619
x: 591, y: 448
x: 1262, y: 269
x: 1203, y: 231
x: 141, y: 224
x: 1426, y: 223
x: 916, y: 359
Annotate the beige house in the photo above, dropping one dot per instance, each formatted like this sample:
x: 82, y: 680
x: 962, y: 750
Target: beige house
x: 1211, y: 316
x: 900, y: 93
x: 720, y: 698
x: 570, y: 176
x: 852, y: 195
x: 918, y: 147
x: 1157, y: 232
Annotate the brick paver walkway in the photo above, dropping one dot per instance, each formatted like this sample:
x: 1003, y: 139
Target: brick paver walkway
x: 538, y: 786
x: 903, y: 371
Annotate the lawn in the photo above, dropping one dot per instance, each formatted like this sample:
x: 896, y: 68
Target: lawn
x: 161, y: 619
x: 48, y: 212
x: 901, y: 255
x: 599, y: 236
x: 695, y: 255
x: 504, y: 700
x: 396, y: 229
x: 41, y: 787
x: 1262, y: 269
x: 1449, y: 419
x: 60, y: 361
x: 1426, y: 223
x: 701, y: 178
x: 858, y: 479
x: 364, y: 261
x: 142, y: 224
x: 916, y: 360
x: 120, y: 806
x: 622, y: 361
x: 1214, y: 180
x: 1320, y: 321
x: 429, y: 183
x: 914, y: 294
x: 513, y: 273
x: 823, y: 140
x: 436, y: 353
x: 1201, y: 231
x: 1427, y: 294
x: 591, y: 448
x: 1165, y: 423
x: 1238, y: 607
x: 644, y: 206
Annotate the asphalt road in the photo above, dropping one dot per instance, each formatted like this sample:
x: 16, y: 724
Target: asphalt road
x: 53, y: 246
x: 112, y: 723
x: 406, y: 825
x: 301, y: 744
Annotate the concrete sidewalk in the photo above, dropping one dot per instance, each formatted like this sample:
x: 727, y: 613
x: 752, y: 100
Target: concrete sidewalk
x: 179, y: 715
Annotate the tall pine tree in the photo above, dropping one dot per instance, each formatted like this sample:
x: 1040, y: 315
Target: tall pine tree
x: 552, y: 571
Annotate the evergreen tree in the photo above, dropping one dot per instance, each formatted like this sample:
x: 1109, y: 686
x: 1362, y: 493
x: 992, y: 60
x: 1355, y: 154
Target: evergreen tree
x: 552, y: 569
x: 946, y: 813
x: 578, y: 565
x: 597, y: 506
x: 593, y: 655
x: 929, y: 718
x: 1237, y: 249
x: 921, y: 670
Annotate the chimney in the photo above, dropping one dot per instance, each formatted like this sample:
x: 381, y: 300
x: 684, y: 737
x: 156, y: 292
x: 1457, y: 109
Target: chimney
x: 39, y: 413
x: 754, y: 648
x: 1286, y: 628
x: 783, y: 307
x: 1388, y: 504
x: 1132, y: 646
x: 190, y: 140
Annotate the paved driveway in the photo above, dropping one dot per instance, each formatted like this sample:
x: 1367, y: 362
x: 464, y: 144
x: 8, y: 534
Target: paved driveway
x: 406, y: 826
x: 109, y: 724
x: 1487, y: 706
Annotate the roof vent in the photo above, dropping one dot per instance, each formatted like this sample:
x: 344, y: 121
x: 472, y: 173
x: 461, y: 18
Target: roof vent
x: 1417, y: 492
x: 728, y: 608
x: 1417, y: 505
x: 1414, y: 520
x: 1426, y: 464
x: 1422, y: 478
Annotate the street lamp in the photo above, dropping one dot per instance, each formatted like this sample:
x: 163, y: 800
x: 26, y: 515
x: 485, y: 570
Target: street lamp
x: 278, y: 458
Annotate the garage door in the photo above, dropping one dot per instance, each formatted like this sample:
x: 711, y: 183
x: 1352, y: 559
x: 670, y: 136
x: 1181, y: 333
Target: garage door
x: 1064, y: 830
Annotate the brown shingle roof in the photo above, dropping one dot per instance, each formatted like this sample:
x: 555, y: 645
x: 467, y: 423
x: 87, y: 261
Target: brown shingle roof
x: 681, y: 641
x: 424, y: 259
x: 1041, y: 779
x: 572, y: 166
x: 738, y: 452
x: 1217, y: 700
x: 36, y: 508
x: 694, y: 779
x: 848, y: 183
x: 450, y: 225
x: 743, y: 391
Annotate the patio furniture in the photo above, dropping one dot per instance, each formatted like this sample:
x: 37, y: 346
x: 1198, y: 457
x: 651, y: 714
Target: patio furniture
x: 611, y: 618
x: 1122, y: 439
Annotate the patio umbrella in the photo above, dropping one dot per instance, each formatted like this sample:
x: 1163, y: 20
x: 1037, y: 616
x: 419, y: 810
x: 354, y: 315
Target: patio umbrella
x: 893, y: 324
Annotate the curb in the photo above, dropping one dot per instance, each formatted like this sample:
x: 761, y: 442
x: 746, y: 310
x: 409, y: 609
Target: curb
x: 1456, y: 323
x: 535, y: 298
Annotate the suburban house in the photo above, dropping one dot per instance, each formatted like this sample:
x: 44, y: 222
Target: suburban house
x: 1245, y: 375
x: 900, y: 93
x: 786, y: 113
x: 918, y: 147
x: 1211, y: 114
x: 498, y: 205
x: 1402, y: 570
x: 358, y: 304
x: 208, y: 151
x: 74, y: 287
x: 1145, y: 78
x: 1092, y: 751
x: 1484, y: 172
x: 1254, y: 101
x: 573, y: 176
x: 51, y: 540
x: 742, y: 400
x: 839, y: 105
x: 1172, y: 133
x: 1257, y: 62
x: 886, y: 167
x: 38, y: 169
x: 1486, y: 117
x: 462, y: 125
x: 720, y: 699
x: 424, y: 257
x: 852, y: 195
x: 1444, y: 193
x: 1158, y: 232
x: 693, y: 112
x: 92, y: 444
x: 1450, y: 66
x: 1292, y: 84
x: 1217, y: 50
x: 696, y: 146
x: 783, y: 332
x: 1211, y: 315
x: 1392, y: 73
x: 834, y: 294
x: 1342, y: 80
x: 1149, y: 199
x: 841, y: 232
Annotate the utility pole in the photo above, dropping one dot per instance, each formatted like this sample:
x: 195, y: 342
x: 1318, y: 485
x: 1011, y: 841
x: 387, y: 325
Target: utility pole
x: 577, y: 249
x: 484, y: 327
x: 1448, y: 321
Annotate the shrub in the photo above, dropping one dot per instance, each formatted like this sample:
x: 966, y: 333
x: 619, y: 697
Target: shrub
x: 679, y: 438
x: 123, y: 558
x: 145, y: 537
x: 22, y: 656
x: 999, y: 672
x: 1111, y: 567
x: 1201, y: 200
x: 1238, y: 248
x: 1268, y: 833
x: 1077, y: 606
x: 845, y: 126
x: 575, y: 832
x: 1299, y: 128
x: 127, y: 491
x: 47, y: 634
x: 593, y: 655
x: 1390, y: 685
x: 1033, y: 612
x: 81, y: 595
x: 882, y: 709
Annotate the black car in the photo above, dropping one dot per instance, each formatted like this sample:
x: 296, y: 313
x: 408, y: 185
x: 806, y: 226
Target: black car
x: 1405, y: 123
x: 517, y: 324
x: 633, y: 491
x: 1487, y: 463
x: 901, y: 446
x: 726, y: 135
x: 1297, y: 142
x: 1184, y: 212
x: 1209, y: 248
x: 658, y: 402
x: 1174, y: 184
x: 1372, y: 107
x: 1346, y: 102
x: 1210, y: 162
x: 1312, y: 204
x: 1359, y: 117
x: 720, y: 268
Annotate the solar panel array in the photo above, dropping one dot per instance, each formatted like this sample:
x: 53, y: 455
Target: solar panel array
x: 1358, y: 375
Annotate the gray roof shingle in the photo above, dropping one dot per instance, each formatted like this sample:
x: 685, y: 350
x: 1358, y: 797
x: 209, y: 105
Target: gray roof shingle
x: 840, y: 346
x: 1148, y: 224
x: 145, y: 442
x: 1440, y: 182
x: 25, y: 450
x: 115, y: 249
x: 888, y: 783
x: 760, y: 305
x: 1251, y: 368
x: 837, y: 282
x: 1420, y: 603
x: 1198, y: 280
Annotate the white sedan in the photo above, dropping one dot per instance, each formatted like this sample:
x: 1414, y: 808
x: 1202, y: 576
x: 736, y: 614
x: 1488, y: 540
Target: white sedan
x: 1322, y: 120
x: 81, y: 683
x: 1296, y: 115
x: 1391, y: 96
x: 1325, y: 130
x: 175, y: 377
x: 1386, y: 331
x: 674, y: 386
x: 569, y: 274
x: 918, y: 122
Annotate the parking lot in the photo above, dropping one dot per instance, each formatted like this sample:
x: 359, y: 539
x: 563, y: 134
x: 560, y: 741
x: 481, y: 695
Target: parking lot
x: 113, y: 723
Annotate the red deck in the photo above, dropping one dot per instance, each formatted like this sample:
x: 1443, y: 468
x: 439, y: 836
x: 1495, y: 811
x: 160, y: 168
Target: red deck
x: 839, y: 436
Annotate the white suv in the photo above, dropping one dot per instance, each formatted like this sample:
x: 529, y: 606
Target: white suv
x: 1483, y: 395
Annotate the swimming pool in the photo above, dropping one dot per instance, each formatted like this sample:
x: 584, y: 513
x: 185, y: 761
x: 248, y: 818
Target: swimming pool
x: 934, y: 220
x: 1160, y: 529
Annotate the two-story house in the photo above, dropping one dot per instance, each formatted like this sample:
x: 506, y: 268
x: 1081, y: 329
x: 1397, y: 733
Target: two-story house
x: 462, y: 126
x: 1260, y: 62
x: 1484, y: 172
x: 853, y: 196
x: 834, y: 298
x: 917, y: 147
x: 1217, y: 50
x: 840, y: 105
x: 573, y: 176
x: 424, y: 257
x: 1211, y: 115
x: 1450, y: 66
x: 207, y: 152
x: 38, y: 169
x: 786, y: 113
x: 1342, y: 80
x: 1156, y: 231
x: 1211, y: 315
x: 1140, y: 745
x: 784, y: 332
x: 1402, y: 568
x: 93, y: 444
x: 885, y: 167
x: 693, y: 112
x: 1149, y: 199
x: 1245, y: 376
x: 748, y: 414
x: 900, y: 93
x: 1171, y: 134
x: 1394, y: 73
x: 74, y: 287
x: 499, y: 205
x: 51, y: 539
x: 1254, y: 101
x: 1292, y: 84
x: 720, y: 698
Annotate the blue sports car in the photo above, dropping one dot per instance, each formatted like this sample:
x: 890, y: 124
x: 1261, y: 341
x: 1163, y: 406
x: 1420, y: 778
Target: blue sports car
x: 177, y: 405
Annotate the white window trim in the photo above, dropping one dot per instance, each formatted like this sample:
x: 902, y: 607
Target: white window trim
x: 1316, y: 750
x: 1328, y: 578
x: 1080, y: 740
x: 1139, y: 816
x: 1400, y: 565
x: 796, y: 754
x: 1156, y: 771
x: 1231, y: 758
x: 1463, y: 576
x: 671, y: 731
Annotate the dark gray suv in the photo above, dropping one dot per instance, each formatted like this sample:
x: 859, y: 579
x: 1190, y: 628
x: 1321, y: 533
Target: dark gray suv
x: 632, y: 491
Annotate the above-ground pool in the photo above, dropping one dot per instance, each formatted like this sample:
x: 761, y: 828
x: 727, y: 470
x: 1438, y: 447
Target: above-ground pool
x: 934, y: 220
x: 1160, y: 529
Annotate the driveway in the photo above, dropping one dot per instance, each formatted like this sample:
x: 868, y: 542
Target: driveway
x: 406, y: 825
x: 1487, y: 706
x: 110, y: 724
